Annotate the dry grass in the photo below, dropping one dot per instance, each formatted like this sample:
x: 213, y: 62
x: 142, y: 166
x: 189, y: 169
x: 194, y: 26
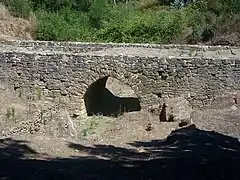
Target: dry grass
x: 12, y: 28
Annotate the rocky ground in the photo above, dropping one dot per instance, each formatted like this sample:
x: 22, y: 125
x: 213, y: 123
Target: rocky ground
x: 125, y: 148
x: 36, y: 144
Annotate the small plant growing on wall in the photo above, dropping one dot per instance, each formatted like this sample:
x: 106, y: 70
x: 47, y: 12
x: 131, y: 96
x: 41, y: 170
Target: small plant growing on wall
x: 190, y: 53
x: 20, y: 93
x: 38, y: 93
x: 10, y: 114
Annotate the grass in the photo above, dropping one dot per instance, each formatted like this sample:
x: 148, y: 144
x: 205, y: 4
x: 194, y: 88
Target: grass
x: 91, y: 125
x: 94, y: 123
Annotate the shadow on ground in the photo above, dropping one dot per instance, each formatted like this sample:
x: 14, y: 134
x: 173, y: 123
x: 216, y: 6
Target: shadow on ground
x: 187, y: 153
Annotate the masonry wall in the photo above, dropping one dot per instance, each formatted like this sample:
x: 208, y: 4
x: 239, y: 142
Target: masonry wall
x: 57, y: 73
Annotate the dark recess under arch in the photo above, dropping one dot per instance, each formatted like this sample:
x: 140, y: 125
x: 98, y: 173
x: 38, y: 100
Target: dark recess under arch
x: 99, y: 100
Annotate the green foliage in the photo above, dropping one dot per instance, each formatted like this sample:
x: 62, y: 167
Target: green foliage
x: 54, y: 5
x: 195, y: 18
x: 65, y: 25
x: 141, y: 21
x: 98, y: 10
x: 158, y: 27
x: 208, y: 17
x: 90, y: 127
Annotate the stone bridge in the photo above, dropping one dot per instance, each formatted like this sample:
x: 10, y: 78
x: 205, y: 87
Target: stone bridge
x: 78, y: 72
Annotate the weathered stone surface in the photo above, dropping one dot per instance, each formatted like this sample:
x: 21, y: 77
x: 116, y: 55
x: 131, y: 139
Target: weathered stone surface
x: 178, y: 108
x: 154, y: 72
x: 225, y: 101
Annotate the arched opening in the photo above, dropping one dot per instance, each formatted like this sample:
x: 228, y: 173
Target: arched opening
x: 110, y: 97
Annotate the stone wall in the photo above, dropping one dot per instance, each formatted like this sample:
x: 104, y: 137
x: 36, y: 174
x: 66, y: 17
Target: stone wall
x: 154, y: 72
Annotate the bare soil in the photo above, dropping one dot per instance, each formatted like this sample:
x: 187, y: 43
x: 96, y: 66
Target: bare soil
x: 124, y: 149
x: 131, y: 127
x: 36, y: 144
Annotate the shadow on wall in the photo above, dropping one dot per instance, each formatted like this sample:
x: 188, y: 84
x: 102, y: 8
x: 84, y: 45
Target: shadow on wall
x: 186, y: 154
x: 99, y: 100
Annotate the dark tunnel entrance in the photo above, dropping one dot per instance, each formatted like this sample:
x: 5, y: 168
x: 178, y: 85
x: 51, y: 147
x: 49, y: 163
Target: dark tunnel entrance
x: 99, y: 100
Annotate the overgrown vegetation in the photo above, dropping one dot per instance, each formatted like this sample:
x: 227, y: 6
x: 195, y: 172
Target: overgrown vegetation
x: 142, y: 21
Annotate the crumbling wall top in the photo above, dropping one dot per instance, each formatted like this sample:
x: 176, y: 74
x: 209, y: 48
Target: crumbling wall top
x: 120, y: 49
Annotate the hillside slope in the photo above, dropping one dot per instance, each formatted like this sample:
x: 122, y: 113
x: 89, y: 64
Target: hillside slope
x: 12, y: 28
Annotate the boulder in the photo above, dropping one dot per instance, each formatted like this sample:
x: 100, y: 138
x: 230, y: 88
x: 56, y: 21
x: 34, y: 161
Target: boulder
x: 175, y: 109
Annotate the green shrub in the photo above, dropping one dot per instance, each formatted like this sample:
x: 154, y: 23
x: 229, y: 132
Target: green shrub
x: 98, y: 12
x: 112, y: 30
x: 143, y: 21
x: 208, y: 18
x: 155, y: 27
x: 66, y: 25
x: 52, y: 5
x: 195, y: 18
x: 56, y: 5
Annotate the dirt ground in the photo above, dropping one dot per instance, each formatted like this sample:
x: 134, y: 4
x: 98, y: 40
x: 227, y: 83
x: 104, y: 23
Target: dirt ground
x: 122, y: 148
x: 131, y: 127
x: 49, y: 128
x: 36, y: 144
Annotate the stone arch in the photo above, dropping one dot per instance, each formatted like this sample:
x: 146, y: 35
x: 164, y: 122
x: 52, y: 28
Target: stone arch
x: 98, y: 99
